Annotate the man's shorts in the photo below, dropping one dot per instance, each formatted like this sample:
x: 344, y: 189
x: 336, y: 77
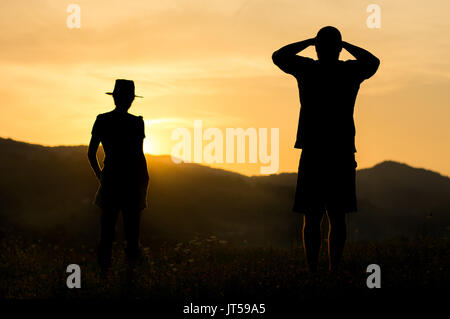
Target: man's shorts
x: 326, y: 181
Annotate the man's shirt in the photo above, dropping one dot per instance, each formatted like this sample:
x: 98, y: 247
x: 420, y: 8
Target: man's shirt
x: 327, y: 97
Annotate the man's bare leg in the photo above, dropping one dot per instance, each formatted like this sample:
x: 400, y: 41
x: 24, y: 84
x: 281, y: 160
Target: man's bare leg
x: 337, y: 236
x: 312, y: 238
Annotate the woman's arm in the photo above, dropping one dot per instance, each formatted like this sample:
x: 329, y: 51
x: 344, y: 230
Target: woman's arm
x: 92, y: 155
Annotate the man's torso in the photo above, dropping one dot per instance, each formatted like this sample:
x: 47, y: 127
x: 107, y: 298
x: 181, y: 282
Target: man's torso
x: 327, y: 97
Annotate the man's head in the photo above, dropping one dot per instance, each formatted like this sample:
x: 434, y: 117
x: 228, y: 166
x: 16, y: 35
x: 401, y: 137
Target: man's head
x: 328, y: 44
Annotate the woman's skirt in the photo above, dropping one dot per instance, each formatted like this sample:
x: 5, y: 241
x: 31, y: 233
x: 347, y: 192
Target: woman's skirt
x: 122, y: 191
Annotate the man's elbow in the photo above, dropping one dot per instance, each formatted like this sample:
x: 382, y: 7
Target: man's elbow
x: 276, y: 57
x: 372, y: 67
x: 376, y: 63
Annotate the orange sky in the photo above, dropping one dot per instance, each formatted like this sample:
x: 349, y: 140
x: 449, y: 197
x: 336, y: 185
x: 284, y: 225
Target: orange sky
x: 211, y: 60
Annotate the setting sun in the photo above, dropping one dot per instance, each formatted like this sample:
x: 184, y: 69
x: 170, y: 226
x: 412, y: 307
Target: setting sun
x: 149, y: 147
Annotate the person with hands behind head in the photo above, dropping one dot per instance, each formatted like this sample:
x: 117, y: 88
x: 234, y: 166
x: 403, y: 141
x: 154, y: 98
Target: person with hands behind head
x: 326, y: 134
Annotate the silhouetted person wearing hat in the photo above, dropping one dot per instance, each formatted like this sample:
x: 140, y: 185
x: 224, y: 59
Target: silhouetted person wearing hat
x: 124, y: 177
x: 326, y: 134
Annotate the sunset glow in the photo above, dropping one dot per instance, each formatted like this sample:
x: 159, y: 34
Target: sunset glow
x: 211, y: 61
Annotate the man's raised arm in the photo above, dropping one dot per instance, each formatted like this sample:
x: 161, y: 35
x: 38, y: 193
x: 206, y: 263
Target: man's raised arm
x: 287, y: 59
x: 367, y: 61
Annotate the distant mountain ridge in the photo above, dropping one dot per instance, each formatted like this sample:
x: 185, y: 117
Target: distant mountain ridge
x: 50, y: 190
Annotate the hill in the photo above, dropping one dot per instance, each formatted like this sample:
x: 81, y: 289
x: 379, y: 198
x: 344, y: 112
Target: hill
x: 49, y: 191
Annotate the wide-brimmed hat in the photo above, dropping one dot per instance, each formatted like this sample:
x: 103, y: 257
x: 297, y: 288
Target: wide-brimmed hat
x: 123, y: 86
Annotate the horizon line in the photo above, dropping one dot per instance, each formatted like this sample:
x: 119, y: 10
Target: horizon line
x: 218, y: 168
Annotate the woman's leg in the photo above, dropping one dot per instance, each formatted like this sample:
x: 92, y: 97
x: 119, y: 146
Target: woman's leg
x: 107, y: 233
x: 131, y: 223
x: 312, y: 238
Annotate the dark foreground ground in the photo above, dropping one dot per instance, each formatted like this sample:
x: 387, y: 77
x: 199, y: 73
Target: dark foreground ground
x: 211, y: 271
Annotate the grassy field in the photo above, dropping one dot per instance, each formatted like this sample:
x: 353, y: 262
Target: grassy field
x: 212, y: 269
